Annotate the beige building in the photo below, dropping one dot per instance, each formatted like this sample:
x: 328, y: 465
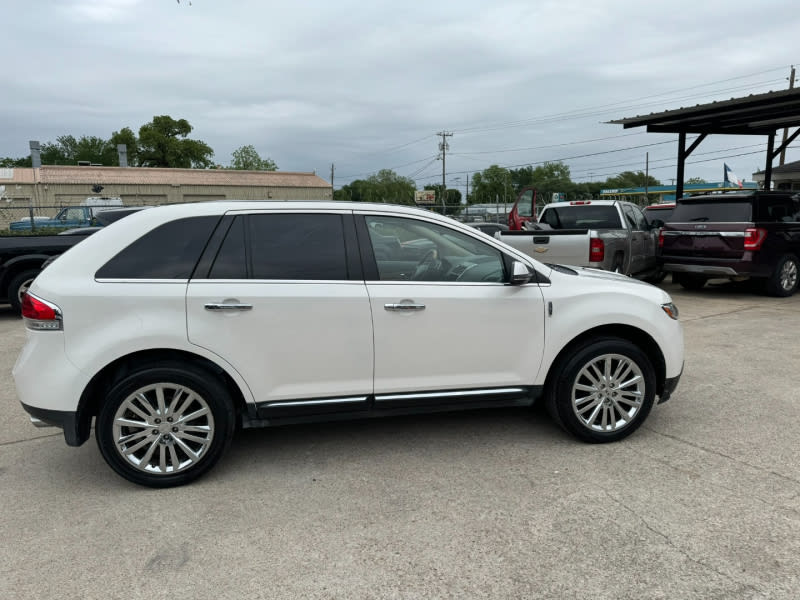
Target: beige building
x: 50, y: 186
x: 784, y: 177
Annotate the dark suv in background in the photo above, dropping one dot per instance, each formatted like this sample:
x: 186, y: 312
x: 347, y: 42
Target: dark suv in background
x: 737, y: 236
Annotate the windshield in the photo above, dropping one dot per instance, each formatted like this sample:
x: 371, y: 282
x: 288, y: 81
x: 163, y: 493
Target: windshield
x: 714, y: 211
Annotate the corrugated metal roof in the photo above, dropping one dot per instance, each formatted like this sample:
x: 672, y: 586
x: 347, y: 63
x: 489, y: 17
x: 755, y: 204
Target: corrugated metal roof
x: 753, y: 114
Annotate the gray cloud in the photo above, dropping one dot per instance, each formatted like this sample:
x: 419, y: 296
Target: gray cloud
x: 354, y: 83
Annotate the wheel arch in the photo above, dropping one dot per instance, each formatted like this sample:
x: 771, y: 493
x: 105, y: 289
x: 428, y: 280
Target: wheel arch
x: 636, y: 336
x: 91, y: 398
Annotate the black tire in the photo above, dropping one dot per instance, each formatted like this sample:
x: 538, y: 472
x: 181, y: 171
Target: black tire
x: 656, y: 277
x: 690, y: 281
x: 19, y: 284
x: 194, y: 444
x: 621, y: 406
x: 785, y: 277
x: 617, y: 266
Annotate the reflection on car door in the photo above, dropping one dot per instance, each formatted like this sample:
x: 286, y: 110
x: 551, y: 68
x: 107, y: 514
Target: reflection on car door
x: 450, y: 324
x: 281, y: 304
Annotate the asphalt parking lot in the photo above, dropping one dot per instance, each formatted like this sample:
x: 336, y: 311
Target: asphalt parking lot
x: 702, y: 502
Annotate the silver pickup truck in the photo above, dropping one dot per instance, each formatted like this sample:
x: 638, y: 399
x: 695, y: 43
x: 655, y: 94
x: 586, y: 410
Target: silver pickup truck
x: 604, y: 234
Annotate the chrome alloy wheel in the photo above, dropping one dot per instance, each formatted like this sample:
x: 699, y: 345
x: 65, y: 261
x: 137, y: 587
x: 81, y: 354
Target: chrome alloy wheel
x: 163, y: 428
x: 608, y: 393
x: 789, y: 275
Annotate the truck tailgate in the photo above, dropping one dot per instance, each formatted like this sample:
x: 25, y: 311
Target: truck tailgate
x: 704, y: 240
x: 564, y: 246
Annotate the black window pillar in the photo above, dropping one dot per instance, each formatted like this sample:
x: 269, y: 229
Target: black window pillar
x: 770, y: 156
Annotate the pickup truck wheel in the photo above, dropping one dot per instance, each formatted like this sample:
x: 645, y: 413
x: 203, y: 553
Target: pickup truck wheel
x: 603, y: 391
x: 784, y: 279
x: 165, y: 426
x: 19, y: 285
x: 690, y: 281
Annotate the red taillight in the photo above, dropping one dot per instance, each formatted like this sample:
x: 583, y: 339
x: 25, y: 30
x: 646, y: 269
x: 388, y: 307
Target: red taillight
x: 40, y: 314
x: 660, y: 238
x: 597, y: 250
x: 580, y: 202
x: 754, y: 237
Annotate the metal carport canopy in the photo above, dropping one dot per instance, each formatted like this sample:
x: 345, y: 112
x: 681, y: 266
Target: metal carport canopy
x: 759, y: 114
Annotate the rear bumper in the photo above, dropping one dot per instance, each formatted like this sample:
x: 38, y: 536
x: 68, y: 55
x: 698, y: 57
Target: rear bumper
x: 716, y: 267
x: 709, y: 270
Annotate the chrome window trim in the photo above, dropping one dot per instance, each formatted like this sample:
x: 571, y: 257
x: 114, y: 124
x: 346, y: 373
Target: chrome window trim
x: 673, y: 233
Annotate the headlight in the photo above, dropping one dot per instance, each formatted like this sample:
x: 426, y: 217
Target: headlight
x: 671, y: 310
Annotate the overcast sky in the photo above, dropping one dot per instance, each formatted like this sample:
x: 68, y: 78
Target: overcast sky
x: 366, y: 85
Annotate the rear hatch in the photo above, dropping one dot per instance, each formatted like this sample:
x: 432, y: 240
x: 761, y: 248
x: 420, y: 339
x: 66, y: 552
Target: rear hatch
x: 708, y: 227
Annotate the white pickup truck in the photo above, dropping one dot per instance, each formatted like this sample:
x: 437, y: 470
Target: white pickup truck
x: 604, y: 234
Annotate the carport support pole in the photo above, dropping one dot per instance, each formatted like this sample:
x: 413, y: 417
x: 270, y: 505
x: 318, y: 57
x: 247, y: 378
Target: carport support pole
x: 681, y: 159
x: 768, y: 168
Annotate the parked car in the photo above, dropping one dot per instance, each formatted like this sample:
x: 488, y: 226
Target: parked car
x: 604, y: 234
x: 659, y: 212
x: 71, y: 216
x: 489, y: 228
x: 736, y: 236
x: 172, y: 327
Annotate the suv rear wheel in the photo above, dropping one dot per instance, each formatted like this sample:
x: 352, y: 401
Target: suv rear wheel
x: 165, y: 426
x: 784, y: 280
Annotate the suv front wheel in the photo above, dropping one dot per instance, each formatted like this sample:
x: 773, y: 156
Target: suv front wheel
x: 603, y: 390
x: 163, y: 426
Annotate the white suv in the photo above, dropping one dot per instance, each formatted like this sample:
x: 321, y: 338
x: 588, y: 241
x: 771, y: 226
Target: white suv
x: 177, y: 324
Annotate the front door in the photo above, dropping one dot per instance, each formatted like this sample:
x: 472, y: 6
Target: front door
x: 444, y: 317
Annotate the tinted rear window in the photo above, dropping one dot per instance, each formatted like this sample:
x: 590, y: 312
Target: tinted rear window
x: 170, y: 251
x: 716, y: 212
x: 664, y: 214
x: 582, y: 217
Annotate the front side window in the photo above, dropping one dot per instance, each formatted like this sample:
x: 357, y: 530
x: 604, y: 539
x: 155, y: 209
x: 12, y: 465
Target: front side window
x: 413, y: 250
x: 297, y: 246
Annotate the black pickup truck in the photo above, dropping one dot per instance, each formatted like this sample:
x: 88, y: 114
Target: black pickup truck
x: 22, y: 257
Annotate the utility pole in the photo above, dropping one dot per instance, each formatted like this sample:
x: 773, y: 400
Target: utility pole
x: 786, y: 129
x: 444, y: 147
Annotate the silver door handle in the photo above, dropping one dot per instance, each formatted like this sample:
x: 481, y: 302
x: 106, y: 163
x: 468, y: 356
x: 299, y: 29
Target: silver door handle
x: 404, y: 306
x: 212, y: 306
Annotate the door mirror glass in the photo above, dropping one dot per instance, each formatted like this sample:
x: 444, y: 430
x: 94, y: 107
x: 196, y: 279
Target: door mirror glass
x: 520, y: 273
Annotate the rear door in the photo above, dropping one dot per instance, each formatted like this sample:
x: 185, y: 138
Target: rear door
x: 283, y: 301
x: 708, y: 228
x: 643, y: 243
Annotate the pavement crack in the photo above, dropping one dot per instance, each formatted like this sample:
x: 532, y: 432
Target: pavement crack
x: 668, y: 540
x: 723, y: 455
x: 721, y: 314
x: 33, y: 439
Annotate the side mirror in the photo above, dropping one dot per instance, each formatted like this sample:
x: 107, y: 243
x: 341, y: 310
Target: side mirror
x: 656, y: 224
x: 520, y: 273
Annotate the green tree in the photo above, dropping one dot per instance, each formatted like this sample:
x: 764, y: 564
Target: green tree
x: 630, y: 179
x: 10, y: 163
x: 384, y: 186
x: 164, y: 143
x: 492, y: 185
x: 245, y: 158
x: 696, y: 180
x: 69, y: 150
